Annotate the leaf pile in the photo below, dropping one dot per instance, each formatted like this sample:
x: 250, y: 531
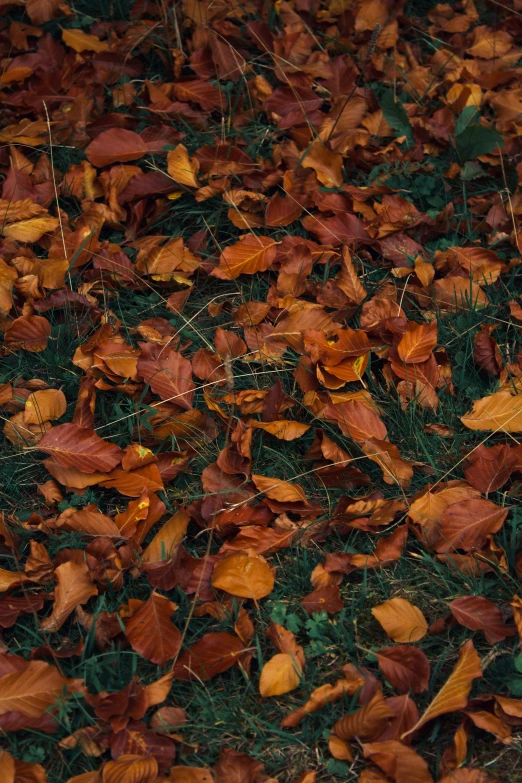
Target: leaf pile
x: 261, y: 391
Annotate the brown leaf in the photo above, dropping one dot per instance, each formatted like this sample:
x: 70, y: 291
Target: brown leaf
x: 115, y: 145
x: 190, y: 775
x: 212, y: 654
x: 324, y: 599
x: 168, y: 373
x: 398, y: 761
x: 467, y: 524
x: 480, y: 614
x: 150, y: 631
x: 367, y: 722
x: 28, y: 333
x: 80, y: 448
x: 405, y: 667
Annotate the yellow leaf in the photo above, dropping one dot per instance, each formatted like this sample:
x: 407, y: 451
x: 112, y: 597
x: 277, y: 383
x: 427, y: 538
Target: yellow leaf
x: 281, y: 674
x: 31, y: 230
x: 499, y: 412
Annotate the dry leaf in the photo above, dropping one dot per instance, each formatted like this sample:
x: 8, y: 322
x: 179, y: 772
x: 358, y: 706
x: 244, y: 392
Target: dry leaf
x: 402, y: 621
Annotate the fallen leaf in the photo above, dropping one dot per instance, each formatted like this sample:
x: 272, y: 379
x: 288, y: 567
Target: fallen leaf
x: 402, y: 621
x: 80, y: 448
x: 74, y: 588
x: 405, y: 667
x: 499, y: 412
x: 454, y: 693
x: 213, y: 654
x: 150, y: 631
x: 244, y: 575
x: 251, y: 254
x: 281, y: 674
x: 480, y: 614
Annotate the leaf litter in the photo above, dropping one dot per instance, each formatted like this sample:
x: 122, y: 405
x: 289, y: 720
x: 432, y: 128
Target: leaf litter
x: 261, y: 392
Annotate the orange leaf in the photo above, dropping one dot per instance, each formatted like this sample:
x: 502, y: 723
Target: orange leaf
x: 395, y: 470
x: 74, y: 588
x: 131, y: 769
x: 327, y: 165
x: 283, y: 429
x: 367, y: 722
x: 251, y: 254
x: 182, y: 168
x: 31, y: 688
x: 31, y: 230
x: 276, y: 489
x: 499, y: 412
x: 165, y: 543
x: 81, y: 42
x: 348, y: 280
x: 454, y: 693
x: 244, y: 575
x: 281, y: 674
x: 44, y: 405
x: 417, y: 343
x: 402, y: 621
x: 325, y: 694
